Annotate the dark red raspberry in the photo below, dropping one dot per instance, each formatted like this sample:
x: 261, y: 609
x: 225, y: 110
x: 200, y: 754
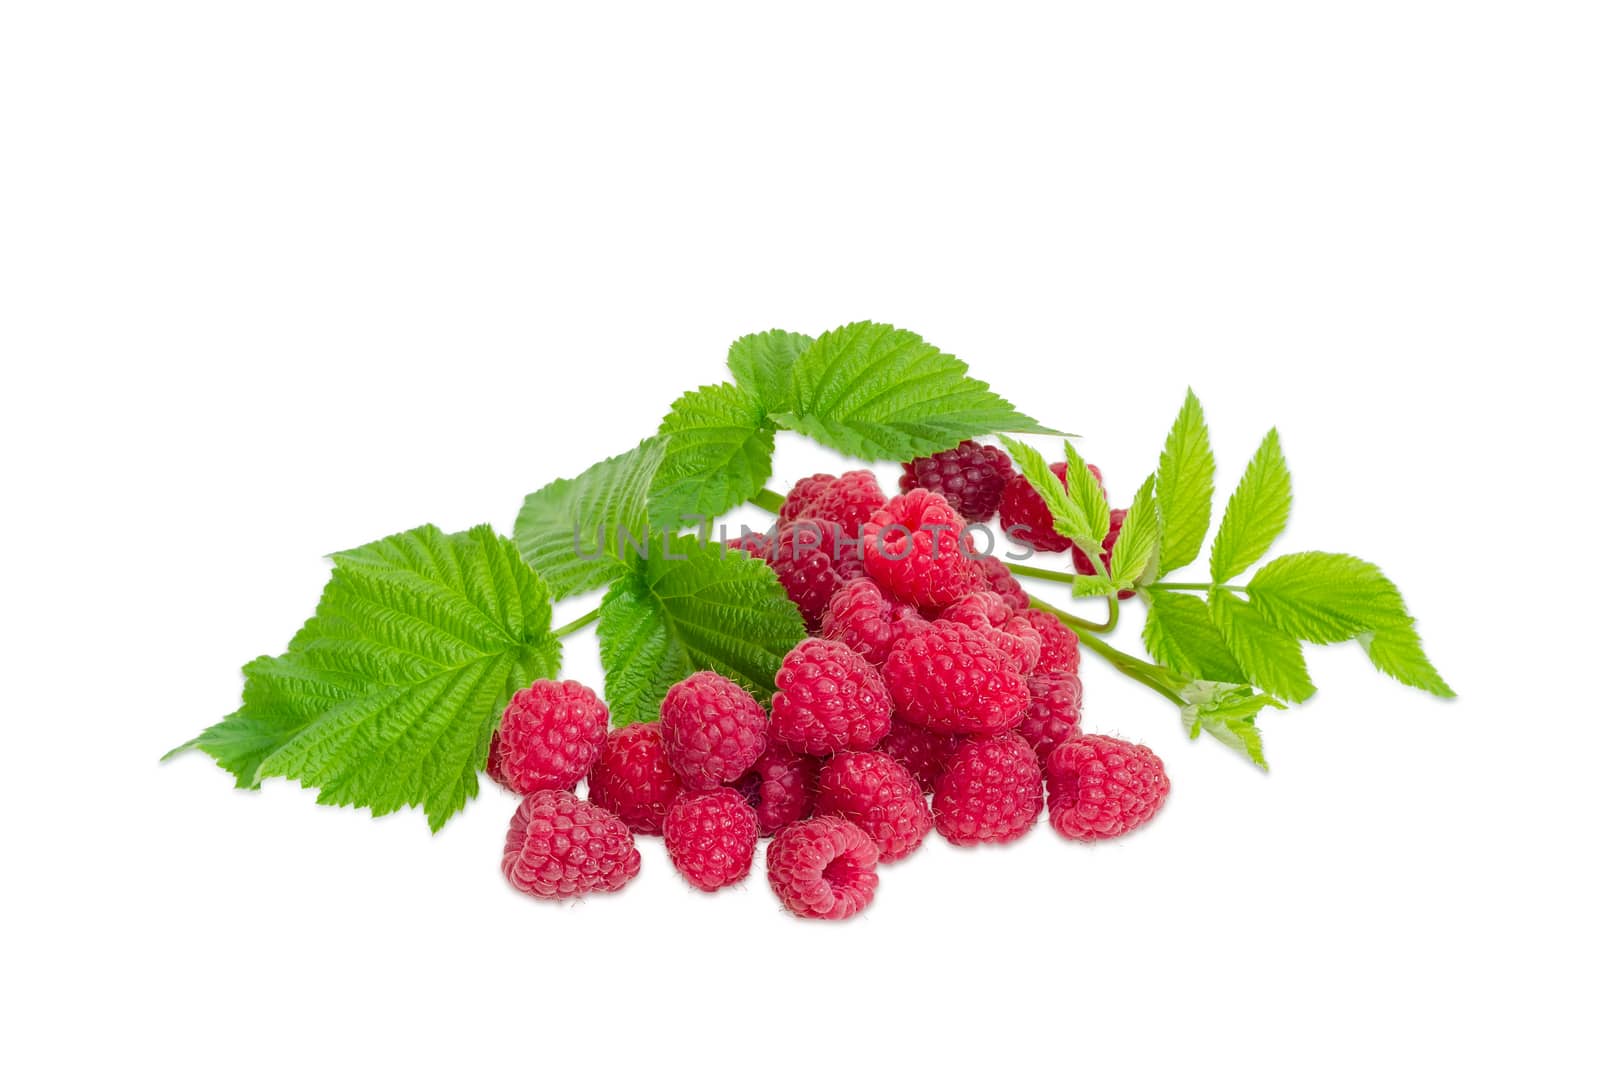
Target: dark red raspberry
x: 1058, y: 646
x: 632, y: 778
x: 997, y: 578
x: 1055, y: 714
x: 712, y: 729
x: 806, y: 570
x: 952, y: 679
x: 868, y: 622
x: 549, y: 737
x: 916, y: 550
x: 878, y: 794
x: 711, y: 837
x: 757, y: 546
x: 823, y: 868
x: 992, y: 792
x: 1102, y: 787
x: 829, y: 699
x: 970, y: 476
x: 559, y: 846
x: 989, y: 615
x: 1080, y: 562
x: 781, y: 787
x: 847, y: 501
x: 925, y: 754
x: 1024, y: 516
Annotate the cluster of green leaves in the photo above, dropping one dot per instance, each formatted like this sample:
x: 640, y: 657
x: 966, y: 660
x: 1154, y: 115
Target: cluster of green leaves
x: 1227, y: 650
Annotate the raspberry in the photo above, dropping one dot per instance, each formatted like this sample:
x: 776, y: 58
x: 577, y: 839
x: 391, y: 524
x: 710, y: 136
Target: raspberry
x: 805, y: 569
x: 864, y: 619
x: 756, y: 546
x: 916, y: 550
x: 1080, y: 562
x: 632, y: 778
x: 711, y: 838
x: 1055, y: 714
x: 847, y: 501
x: 1058, y: 646
x: 559, y: 846
x: 878, y: 794
x: 549, y: 737
x: 1102, y: 787
x: 951, y: 679
x: 993, y: 791
x: 712, y: 730
x: 1024, y: 517
x: 924, y: 753
x: 989, y: 615
x: 997, y: 578
x: 823, y: 868
x: 970, y: 476
x: 781, y: 787
x: 829, y: 698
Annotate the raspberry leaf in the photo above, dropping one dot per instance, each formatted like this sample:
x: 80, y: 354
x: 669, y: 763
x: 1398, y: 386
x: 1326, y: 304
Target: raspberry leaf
x: 1179, y: 632
x: 1083, y: 489
x: 1092, y: 586
x: 877, y: 392
x: 1067, y: 514
x: 763, y: 364
x: 1270, y: 658
x: 1397, y: 651
x: 1256, y: 513
x: 387, y: 697
x: 1136, y: 543
x: 581, y: 533
x: 1184, y: 485
x: 703, y: 608
x: 718, y: 454
x: 1227, y: 712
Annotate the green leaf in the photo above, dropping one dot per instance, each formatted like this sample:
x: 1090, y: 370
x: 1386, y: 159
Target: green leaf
x: 718, y: 455
x: 877, y: 392
x: 763, y: 364
x: 1271, y: 659
x: 1397, y: 651
x: 1092, y: 586
x: 1184, y: 484
x: 1256, y: 514
x: 388, y: 696
x: 1227, y: 712
x: 1070, y: 521
x: 578, y: 533
x: 711, y: 609
x: 1137, y: 540
x: 1083, y: 489
x: 1178, y: 633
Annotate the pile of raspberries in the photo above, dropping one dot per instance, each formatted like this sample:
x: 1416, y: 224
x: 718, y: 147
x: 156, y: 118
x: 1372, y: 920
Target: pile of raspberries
x: 928, y: 697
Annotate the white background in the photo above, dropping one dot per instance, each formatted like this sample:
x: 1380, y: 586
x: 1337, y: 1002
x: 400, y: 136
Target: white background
x: 280, y: 279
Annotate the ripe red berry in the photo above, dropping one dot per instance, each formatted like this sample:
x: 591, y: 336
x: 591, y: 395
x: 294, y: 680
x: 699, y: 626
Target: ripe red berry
x: 1055, y: 713
x: 781, y: 787
x: 846, y: 501
x: 878, y: 794
x: 802, y: 564
x: 1080, y: 562
x: 867, y: 621
x: 711, y: 837
x: 997, y: 578
x: 829, y: 699
x: 713, y: 730
x: 916, y: 549
x: 952, y: 679
x: 1058, y: 646
x: 632, y: 778
x: 823, y: 868
x: 989, y: 615
x: 992, y: 792
x: 970, y: 476
x: 549, y: 737
x: 1102, y: 787
x: 1024, y: 516
x: 559, y: 846
x: 925, y: 754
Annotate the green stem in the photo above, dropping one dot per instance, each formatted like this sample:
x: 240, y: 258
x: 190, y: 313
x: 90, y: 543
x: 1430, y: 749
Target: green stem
x: 1041, y: 573
x: 578, y: 624
x: 1157, y: 678
x: 1077, y: 623
x: 769, y: 500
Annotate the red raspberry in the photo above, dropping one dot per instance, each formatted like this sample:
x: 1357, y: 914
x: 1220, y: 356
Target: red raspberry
x: 806, y: 570
x: 989, y: 615
x: 549, y: 737
x: 878, y: 794
x: 823, y: 868
x: 970, y: 476
x: 951, y: 679
x: 1080, y: 562
x: 1058, y: 646
x: 1024, y: 516
x: 924, y: 753
x: 1055, y: 714
x: 712, y: 730
x: 916, y: 550
x: 781, y: 787
x: 756, y: 546
x: 992, y: 793
x: 632, y: 778
x: 847, y: 501
x: 997, y: 578
x: 559, y: 846
x: 864, y: 619
x: 1102, y: 787
x: 829, y: 698
x: 711, y: 837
